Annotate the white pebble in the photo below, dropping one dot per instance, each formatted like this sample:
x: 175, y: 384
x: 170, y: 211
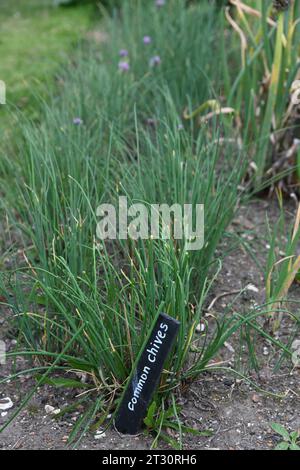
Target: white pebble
x: 6, y: 404
x: 252, y: 288
x: 200, y: 328
x: 100, y: 435
x: 50, y: 410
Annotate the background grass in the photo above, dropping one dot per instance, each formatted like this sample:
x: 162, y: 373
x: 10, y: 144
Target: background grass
x: 35, y: 40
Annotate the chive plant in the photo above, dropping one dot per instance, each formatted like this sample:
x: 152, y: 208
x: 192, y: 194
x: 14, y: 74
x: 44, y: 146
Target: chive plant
x: 261, y: 91
x: 283, y: 264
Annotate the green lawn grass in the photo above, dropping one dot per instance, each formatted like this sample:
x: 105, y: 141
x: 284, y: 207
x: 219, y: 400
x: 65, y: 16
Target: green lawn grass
x: 35, y: 38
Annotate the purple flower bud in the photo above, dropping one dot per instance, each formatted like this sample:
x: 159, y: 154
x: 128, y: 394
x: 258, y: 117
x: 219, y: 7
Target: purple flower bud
x: 160, y: 3
x: 154, y: 61
x: 147, y: 40
x: 123, y: 53
x: 180, y: 127
x: 124, y: 66
x: 77, y: 121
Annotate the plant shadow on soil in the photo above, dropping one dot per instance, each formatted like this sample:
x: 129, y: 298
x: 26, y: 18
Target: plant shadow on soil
x: 238, y: 415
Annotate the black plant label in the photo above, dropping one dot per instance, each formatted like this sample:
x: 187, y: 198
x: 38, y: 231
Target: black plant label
x: 146, y: 376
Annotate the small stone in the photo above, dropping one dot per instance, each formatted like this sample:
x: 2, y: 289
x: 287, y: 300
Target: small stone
x: 228, y: 383
x: 50, y: 410
x: 252, y: 288
x: 6, y: 404
x: 229, y: 347
x: 255, y: 398
x: 200, y: 328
